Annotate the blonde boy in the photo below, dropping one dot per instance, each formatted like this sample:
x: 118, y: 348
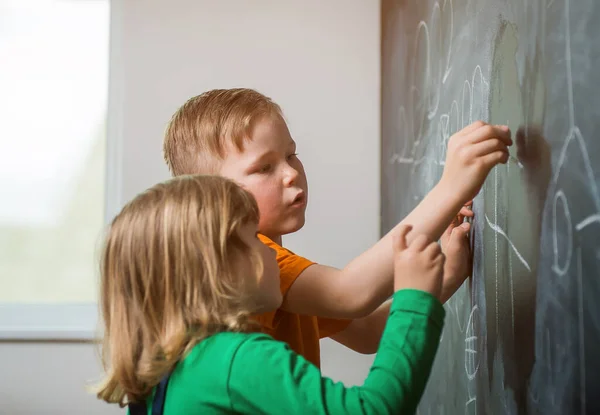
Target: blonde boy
x: 241, y: 134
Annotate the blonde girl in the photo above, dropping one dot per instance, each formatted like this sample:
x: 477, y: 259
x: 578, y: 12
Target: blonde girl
x: 183, y: 272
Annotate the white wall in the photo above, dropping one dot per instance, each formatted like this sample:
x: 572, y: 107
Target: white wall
x: 318, y: 59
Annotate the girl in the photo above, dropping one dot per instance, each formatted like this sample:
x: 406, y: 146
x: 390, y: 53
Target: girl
x: 182, y: 274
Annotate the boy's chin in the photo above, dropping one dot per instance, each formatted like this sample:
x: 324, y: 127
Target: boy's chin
x: 294, y: 226
x: 284, y: 227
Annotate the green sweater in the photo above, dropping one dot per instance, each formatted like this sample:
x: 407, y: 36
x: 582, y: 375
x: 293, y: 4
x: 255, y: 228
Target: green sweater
x: 255, y: 374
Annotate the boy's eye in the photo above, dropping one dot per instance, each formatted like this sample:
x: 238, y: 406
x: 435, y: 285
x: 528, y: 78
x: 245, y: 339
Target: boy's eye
x: 265, y: 169
x: 292, y: 156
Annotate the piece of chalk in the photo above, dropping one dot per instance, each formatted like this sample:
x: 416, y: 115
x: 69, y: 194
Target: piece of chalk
x: 515, y: 160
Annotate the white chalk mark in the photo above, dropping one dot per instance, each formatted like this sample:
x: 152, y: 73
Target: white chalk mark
x: 499, y: 230
x: 466, y: 111
x: 404, y: 129
x: 548, y: 355
x: 509, y: 156
x: 471, y: 401
x: 476, y: 71
x: 560, y: 195
x: 568, y: 60
x: 512, y: 293
x: 450, y: 39
x: 496, y: 244
x: 454, y: 109
x: 434, y: 100
x: 588, y: 221
x: 396, y: 158
x: 575, y: 133
x: 416, y: 135
x: 422, y: 27
x: 471, y: 366
x: 462, y: 329
x: 421, y: 160
x: 443, y: 125
x: 581, y: 331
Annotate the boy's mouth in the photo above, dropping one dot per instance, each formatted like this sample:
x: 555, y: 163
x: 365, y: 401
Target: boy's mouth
x: 299, y: 200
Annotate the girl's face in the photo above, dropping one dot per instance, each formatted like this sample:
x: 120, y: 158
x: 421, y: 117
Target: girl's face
x: 268, y: 297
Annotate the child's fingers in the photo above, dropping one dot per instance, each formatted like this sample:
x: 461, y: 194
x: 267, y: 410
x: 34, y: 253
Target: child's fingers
x: 492, y: 159
x: 461, y: 231
x: 419, y: 243
x: 488, y: 146
x: 489, y: 131
x: 400, y: 237
x: 471, y: 127
x: 466, y: 226
x: 466, y: 211
x: 457, y: 220
x: 433, y: 250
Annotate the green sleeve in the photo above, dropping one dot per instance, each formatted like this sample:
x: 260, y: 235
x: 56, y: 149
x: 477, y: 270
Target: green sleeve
x: 267, y: 377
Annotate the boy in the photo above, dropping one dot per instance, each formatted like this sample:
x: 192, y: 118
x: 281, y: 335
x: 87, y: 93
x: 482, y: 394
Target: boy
x: 241, y: 134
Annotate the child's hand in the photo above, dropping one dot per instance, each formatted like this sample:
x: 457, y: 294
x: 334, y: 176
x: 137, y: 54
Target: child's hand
x: 419, y: 265
x: 472, y: 153
x: 459, y: 264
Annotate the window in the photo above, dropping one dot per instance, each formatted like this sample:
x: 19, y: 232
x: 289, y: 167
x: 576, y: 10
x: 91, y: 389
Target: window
x: 54, y: 83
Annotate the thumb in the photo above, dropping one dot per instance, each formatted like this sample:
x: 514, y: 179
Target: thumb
x: 461, y: 231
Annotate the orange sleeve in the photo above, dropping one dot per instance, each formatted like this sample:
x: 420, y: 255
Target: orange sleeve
x: 290, y: 267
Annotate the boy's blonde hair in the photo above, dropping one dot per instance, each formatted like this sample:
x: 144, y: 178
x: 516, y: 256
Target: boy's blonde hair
x: 200, y: 130
x: 174, y: 271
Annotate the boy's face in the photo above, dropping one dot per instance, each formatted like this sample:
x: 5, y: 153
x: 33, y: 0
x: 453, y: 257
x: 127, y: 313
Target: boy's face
x: 269, y: 168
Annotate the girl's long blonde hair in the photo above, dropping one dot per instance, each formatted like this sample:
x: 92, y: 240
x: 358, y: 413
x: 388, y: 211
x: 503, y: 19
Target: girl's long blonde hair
x: 174, y: 270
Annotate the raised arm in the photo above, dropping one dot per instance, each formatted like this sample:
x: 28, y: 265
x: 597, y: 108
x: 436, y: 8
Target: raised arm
x: 360, y: 287
x: 267, y: 377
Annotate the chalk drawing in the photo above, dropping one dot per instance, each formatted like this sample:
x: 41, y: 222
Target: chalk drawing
x: 581, y: 331
x: 471, y: 361
x: 560, y: 197
x: 588, y: 221
x: 501, y: 232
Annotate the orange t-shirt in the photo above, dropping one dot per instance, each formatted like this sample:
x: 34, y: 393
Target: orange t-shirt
x: 301, y: 332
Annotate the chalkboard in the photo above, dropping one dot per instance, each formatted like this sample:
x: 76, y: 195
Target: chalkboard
x: 522, y: 336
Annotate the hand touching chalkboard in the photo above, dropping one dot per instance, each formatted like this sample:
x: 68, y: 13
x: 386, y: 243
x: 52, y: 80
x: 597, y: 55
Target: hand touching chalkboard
x: 456, y: 247
x: 419, y: 264
x: 472, y: 153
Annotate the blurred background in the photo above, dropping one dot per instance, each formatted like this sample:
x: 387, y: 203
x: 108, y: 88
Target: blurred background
x: 86, y: 90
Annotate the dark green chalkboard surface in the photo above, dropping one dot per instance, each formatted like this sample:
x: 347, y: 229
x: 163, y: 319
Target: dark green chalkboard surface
x: 523, y: 335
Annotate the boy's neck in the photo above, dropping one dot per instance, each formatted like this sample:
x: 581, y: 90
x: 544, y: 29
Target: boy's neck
x: 275, y: 238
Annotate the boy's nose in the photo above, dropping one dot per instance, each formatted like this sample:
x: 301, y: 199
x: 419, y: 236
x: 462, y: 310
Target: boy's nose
x: 290, y: 175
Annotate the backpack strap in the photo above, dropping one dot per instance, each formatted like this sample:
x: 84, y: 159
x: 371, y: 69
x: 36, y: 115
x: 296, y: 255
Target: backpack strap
x: 158, y: 404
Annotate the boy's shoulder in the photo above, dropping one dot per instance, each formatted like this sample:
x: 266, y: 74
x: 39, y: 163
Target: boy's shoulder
x: 274, y: 245
x: 290, y: 264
